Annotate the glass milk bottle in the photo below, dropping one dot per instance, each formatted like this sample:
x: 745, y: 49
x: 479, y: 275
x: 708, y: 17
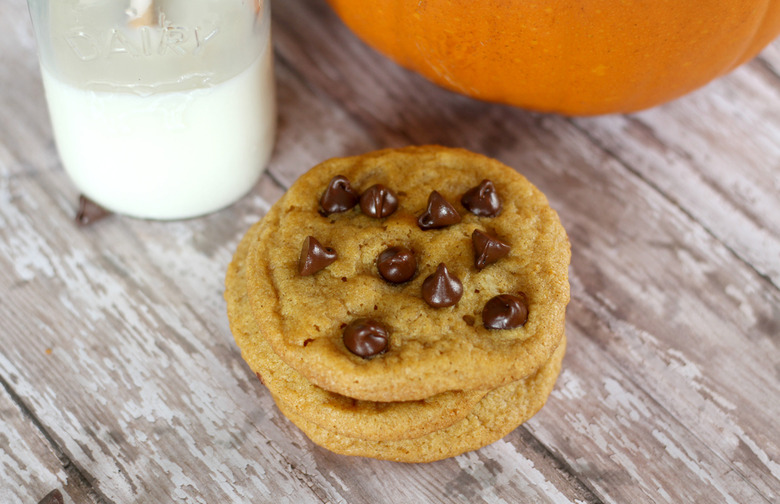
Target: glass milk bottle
x: 161, y: 109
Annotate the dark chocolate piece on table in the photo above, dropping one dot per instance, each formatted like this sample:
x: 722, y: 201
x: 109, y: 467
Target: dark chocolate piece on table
x: 89, y: 212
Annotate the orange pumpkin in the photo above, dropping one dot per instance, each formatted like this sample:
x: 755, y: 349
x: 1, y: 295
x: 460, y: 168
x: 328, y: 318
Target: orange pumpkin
x: 576, y: 57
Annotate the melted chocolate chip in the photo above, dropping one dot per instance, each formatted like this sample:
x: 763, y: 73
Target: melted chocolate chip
x: 365, y: 338
x: 339, y: 196
x: 439, y: 213
x: 487, y: 249
x: 89, y: 212
x: 397, y: 264
x: 505, y: 311
x: 314, y: 257
x: 378, y: 201
x: 442, y: 288
x: 482, y: 200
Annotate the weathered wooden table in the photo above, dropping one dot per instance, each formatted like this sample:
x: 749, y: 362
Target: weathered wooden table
x: 121, y: 382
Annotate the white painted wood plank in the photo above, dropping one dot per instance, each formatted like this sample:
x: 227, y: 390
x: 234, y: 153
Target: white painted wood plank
x: 311, y: 127
x: 715, y: 154
x: 24, y: 118
x: 629, y: 448
x: 771, y: 56
x: 29, y: 466
x: 138, y: 389
x: 656, y: 284
x: 692, y: 325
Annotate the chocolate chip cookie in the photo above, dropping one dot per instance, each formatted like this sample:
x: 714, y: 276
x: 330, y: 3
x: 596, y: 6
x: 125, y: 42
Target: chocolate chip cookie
x: 402, y: 274
x: 367, y: 420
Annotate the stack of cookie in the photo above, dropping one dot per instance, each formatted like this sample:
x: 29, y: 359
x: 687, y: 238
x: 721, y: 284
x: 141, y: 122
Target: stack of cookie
x: 406, y: 304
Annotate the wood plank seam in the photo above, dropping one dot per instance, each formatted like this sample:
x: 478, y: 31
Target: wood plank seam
x: 668, y: 198
x: 560, y: 464
x: 272, y: 176
x: 598, y: 309
x: 344, y: 105
x: 73, y: 471
x: 306, y: 479
x: 766, y: 67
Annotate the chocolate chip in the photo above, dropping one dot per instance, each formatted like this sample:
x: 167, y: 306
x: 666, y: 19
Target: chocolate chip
x: 505, y: 311
x: 53, y: 497
x: 482, y: 200
x: 339, y: 196
x: 366, y: 338
x: 396, y: 264
x: 439, y: 213
x: 378, y: 201
x: 487, y: 249
x: 314, y: 257
x: 89, y: 212
x: 442, y: 288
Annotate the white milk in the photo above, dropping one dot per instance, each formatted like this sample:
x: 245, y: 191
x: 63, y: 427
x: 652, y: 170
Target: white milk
x: 166, y: 152
x: 169, y: 155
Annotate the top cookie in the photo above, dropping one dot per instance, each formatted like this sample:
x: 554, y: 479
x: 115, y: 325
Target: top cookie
x: 336, y: 306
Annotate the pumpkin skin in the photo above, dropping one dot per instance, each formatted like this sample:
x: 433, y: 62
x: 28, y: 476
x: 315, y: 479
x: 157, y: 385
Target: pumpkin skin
x: 574, y: 57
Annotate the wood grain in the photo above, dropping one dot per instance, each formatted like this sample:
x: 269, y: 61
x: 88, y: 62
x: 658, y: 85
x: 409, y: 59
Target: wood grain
x: 121, y: 381
x: 30, y: 462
